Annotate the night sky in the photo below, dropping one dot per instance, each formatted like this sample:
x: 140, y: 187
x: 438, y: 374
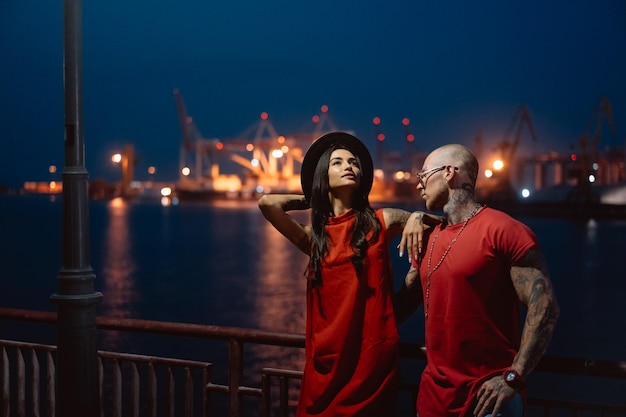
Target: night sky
x: 452, y: 68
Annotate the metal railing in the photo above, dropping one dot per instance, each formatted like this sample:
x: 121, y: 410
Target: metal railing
x: 22, y: 375
x: 129, y: 382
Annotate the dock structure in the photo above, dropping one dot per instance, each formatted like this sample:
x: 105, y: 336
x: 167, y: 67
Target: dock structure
x: 270, y: 161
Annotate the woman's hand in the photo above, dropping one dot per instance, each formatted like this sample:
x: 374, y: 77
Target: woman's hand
x: 413, y: 236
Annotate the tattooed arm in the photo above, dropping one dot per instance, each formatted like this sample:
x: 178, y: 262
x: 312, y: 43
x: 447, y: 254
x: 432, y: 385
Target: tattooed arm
x: 534, y: 289
x: 412, y: 226
x: 275, y: 207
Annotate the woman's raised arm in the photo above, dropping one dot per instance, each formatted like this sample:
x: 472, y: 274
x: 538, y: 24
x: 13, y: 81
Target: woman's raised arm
x: 275, y: 207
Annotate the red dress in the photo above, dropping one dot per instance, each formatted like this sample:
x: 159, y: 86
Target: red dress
x: 352, y: 357
x: 473, y: 316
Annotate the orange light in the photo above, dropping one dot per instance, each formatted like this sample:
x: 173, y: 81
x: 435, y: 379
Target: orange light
x: 376, y: 120
x: 406, y: 121
x: 264, y: 116
x: 219, y: 146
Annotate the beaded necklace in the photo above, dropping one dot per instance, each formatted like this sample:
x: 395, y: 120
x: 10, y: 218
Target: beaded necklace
x: 445, y: 253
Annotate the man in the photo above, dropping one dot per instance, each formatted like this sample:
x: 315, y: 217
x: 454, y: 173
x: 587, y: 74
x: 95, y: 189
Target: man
x: 475, y: 270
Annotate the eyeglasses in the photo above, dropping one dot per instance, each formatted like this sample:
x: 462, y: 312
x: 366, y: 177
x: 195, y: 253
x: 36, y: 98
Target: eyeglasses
x: 422, y: 177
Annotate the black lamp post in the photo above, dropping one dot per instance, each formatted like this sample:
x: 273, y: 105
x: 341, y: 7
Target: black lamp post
x: 77, y: 391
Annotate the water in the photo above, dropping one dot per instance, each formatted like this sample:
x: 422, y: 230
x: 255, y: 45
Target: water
x: 223, y: 264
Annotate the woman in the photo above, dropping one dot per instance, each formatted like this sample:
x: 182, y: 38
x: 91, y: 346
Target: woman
x: 352, y: 357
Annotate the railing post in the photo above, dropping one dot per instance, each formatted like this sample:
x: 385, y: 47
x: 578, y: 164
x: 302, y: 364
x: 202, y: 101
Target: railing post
x: 77, y: 367
x: 235, y: 376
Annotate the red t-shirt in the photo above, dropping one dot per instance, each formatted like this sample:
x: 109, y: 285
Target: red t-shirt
x: 352, y: 356
x: 472, y: 310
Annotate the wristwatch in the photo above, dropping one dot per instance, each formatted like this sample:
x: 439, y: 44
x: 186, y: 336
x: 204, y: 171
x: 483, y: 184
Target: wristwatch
x: 513, y: 379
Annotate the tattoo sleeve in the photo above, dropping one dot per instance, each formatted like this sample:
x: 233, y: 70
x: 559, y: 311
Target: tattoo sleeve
x: 532, y: 282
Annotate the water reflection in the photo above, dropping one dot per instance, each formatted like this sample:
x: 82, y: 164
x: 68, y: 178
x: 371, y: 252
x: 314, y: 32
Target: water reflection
x: 280, y: 302
x: 118, y: 263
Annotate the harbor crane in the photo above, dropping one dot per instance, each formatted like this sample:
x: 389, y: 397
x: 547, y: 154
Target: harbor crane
x: 268, y: 158
x: 500, y: 184
x: 508, y: 148
x: 193, y: 143
x: 588, y: 143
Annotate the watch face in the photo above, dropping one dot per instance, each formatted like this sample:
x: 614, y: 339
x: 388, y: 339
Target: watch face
x: 513, y: 379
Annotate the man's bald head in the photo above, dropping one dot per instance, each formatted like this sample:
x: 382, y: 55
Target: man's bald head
x: 458, y: 156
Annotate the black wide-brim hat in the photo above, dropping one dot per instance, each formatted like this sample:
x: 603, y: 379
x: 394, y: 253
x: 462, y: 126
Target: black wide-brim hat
x: 326, y: 141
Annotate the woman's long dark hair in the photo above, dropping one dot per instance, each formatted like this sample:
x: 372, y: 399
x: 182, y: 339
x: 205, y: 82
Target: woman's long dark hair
x: 322, y: 210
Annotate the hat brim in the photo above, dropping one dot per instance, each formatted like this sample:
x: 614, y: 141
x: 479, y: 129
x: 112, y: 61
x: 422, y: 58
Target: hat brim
x: 350, y: 142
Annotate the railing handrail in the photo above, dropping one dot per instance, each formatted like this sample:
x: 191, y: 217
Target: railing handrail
x: 237, y: 337
x: 246, y: 335
x: 565, y: 365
